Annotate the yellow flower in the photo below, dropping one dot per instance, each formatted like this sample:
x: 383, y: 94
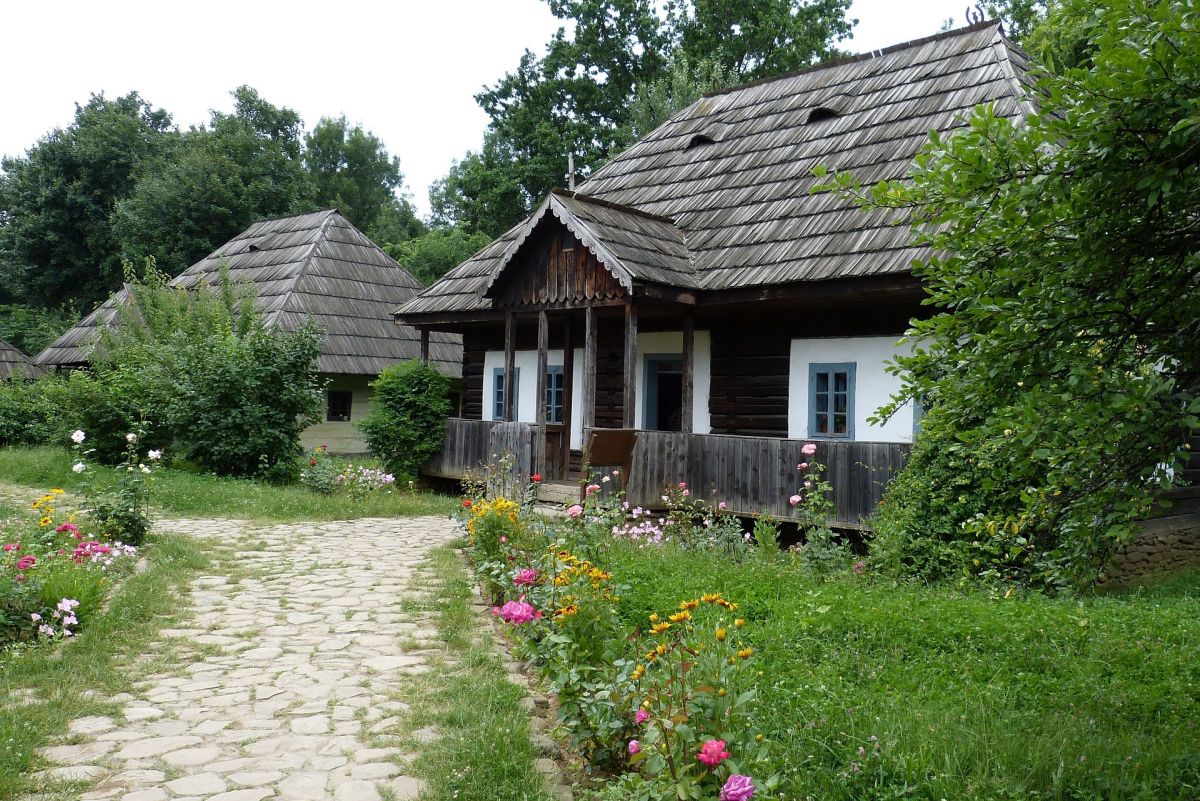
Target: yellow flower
x: 758, y: 738
x: 687, y: 605
x: 566, y: 611
x: 45, y: 521
x: 737, y: 624
x: 660, y: 649
x: 638, y: 672
x: 711, y: 597
x: 746, y: 653
x: 57, y: 491
x: 654, y: 617
x: 720, y: 635
x: 721, y: 692
x: 659, y: 628
x: 680, y: 617
x: 651, y: 655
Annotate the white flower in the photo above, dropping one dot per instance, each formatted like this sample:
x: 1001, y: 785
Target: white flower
x: 78, y: 437
x: 144, y: 468
x: 154, y: 455
x: 78, y: 467
x: 131, y: 438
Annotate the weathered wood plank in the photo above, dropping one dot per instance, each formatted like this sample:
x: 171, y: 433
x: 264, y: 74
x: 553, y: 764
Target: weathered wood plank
x: 510, y: 366
x: 629, y: 407
x: 589, y: 367
x: 689, y: 359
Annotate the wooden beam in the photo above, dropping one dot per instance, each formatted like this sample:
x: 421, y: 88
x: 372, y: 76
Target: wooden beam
x: 689, y: 360
x: 510, y: 366
x: 568, y: 395
x: 588, y: 401
x: 543, y: 346
x: 631, y: 335
x: 424, y: 346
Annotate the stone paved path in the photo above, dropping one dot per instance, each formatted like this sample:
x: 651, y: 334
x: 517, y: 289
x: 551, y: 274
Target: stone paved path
x: 302, y: 649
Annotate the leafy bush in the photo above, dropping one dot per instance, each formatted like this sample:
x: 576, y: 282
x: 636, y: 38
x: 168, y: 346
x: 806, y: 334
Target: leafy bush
x: 33, y: 412
x: 201, y: 364
x: 108, y: 402
x: 407, y: 421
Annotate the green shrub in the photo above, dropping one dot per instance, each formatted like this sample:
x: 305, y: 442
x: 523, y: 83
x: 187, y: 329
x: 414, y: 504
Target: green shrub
x: 109, y: 402
x: 32, y: 412
x: 407, y: 421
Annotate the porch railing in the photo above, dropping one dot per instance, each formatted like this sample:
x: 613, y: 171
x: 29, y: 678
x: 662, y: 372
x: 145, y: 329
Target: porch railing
x: 751, y: 474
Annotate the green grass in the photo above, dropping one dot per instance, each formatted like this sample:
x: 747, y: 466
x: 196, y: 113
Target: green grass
x: 484, y: 752
x: 186, y: 494
x: 73, y: 679
x: 970, y: 696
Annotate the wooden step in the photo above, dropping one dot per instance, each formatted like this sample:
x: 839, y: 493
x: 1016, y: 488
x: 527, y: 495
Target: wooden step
x: 558, y: 492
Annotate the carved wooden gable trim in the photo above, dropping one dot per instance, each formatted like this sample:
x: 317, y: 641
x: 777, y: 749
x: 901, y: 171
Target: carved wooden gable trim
x: 554, y: 267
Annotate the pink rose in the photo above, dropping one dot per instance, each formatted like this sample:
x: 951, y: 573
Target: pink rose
x: 575, y: 511
x: 503, y: 538
x: 592, y: 489
x: 642, y: 716
x: 737, y: 788
x: 526, y: 578
x: 712, y: 752
x: 722, y: 506
x: 683, y: 485
x: 518, y: 612
x: 802, y: 466
x: 809, y: 449
x: 634, y: 747
x: 12, y: 546
x: 794, y: 500
x: 26, y: 562
x: 67, y: 527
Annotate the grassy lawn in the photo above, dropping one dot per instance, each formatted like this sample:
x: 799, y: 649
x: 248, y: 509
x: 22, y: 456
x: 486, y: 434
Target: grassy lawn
x: 44, y: 688
x: 970, y: 697
x: 186, y: 494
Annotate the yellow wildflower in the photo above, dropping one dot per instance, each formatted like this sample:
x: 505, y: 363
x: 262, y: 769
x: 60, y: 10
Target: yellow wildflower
x: 720, y: 635
x: 651, y: 655
x: 45, y: 521
x: 638, y: 672
x: 711, y: 597
x: 660, y: 649
x: 659, y: 628
x: 737, y: 624
x: 680, y: 617
x: 654, y: 617
x: 57, y: 491
x: 687, y: 605
x: 746, y: 653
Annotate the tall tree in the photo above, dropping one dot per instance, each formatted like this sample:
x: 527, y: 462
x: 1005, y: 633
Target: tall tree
x: 352, y: 170
x: 1064, y: 357
x: 577, y: 98
x: 56, y: 239
x: 758, y: 38
x: 241, y: 167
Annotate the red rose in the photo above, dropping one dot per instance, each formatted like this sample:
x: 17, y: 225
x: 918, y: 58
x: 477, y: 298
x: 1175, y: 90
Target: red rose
x: 312, y: 462
x: 535, y: 478
x: 467, y: 503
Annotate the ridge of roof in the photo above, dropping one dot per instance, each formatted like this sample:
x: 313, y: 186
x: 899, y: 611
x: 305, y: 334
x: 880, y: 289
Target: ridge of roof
x: 305, y: 261
x: 867, y: 56
x: 294, y: 214
x: 608, y: 204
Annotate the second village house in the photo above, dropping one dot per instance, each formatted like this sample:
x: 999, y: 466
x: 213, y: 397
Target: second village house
x: 696, y: 289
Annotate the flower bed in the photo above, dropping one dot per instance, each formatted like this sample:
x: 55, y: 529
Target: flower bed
x: 56, y: 567
x: 662, y: 705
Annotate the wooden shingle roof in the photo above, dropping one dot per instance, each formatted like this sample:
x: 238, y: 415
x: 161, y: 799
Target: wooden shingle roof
x: 732, y: 173
x: 315, y: 266
x: 14, y: 363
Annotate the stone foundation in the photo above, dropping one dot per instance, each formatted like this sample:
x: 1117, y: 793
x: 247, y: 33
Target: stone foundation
x: 1163, y: 544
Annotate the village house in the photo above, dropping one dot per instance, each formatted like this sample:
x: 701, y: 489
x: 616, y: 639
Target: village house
x: 14, y: 365
x: 314, y: 267
x: 697, y: 290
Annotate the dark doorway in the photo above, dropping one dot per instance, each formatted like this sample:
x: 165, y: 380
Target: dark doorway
x: 664, y: 393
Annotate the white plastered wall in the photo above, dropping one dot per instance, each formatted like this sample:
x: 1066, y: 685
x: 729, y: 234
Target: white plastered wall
x: 874, y: 386
x: 671, y: 342
x: 526, y: 363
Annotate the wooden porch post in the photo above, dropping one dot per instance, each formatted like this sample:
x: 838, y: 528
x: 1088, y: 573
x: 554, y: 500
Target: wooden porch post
x: 424, y: 346
x: 543, y: 345
x: 510, y: 366
x: 689, y: 358
x: 631, y: 335
x: 589, y: 370
x: 568, y: 385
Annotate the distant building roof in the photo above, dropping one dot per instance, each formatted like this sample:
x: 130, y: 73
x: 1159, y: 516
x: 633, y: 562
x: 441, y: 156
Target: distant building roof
x: 719, y: 197
x: 14, y: 363
x: 315, y: 266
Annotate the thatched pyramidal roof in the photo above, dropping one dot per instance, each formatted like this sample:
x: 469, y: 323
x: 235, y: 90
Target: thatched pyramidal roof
x: 719, y: 197
x: 14, y: 363
x: 314, y: 266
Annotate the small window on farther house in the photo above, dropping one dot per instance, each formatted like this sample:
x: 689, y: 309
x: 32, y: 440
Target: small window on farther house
x: 831, y: 400
x: 498, y: 391
x: 337, y: 407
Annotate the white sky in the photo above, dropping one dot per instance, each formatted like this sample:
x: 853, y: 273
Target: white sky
x: 407, y: 70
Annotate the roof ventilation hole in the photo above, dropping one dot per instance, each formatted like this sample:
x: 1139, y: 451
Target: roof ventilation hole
x: 821, y: 113
x: 699, y: 139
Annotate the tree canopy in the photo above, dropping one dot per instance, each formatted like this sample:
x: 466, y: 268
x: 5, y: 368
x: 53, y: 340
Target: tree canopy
x: 1062, y: 355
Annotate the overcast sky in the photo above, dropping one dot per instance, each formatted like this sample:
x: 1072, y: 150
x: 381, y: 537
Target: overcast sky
x: 405, y: 70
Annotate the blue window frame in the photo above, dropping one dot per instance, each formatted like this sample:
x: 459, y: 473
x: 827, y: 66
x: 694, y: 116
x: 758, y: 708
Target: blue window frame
x: 554, y: 393
x: 498, y: 391
x: 831, y: 400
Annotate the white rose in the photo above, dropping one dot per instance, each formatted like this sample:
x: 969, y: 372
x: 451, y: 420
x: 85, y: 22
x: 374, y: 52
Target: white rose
x: 154, y: 455
x: 78, y: 437
x: 131, y: 438
x: 78, y: 467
